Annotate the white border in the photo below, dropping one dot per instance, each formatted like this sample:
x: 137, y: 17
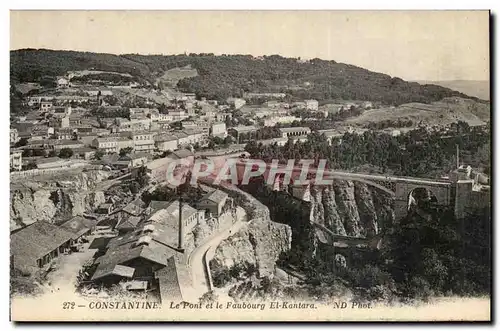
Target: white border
x: 186, y: 4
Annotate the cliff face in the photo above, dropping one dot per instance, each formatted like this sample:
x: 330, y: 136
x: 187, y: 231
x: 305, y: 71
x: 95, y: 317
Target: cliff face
x: 53, y: 199
x: 351, y: 208
x: 259, y: 242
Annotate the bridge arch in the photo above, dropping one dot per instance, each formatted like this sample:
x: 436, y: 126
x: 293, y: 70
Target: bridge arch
x: 371, y: 183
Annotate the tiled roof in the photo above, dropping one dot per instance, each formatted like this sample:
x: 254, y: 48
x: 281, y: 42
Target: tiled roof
x: 78, y: 225
x: 183, y: 153
x: 104, y: 270
x: 295, y: 129
x: 129, y: 222
x: 216, y: 196
x: 36, y: 240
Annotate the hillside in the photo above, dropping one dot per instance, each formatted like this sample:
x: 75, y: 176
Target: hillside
x: 231, y: 75
x: 172, y: 76
x: 476, y: 88
x: 30, y: 65
x: 446, y: 111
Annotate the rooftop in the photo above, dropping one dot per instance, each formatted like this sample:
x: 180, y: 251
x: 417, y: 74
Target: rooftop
x: 216, y: 196
x: 246, y: 128
x: 295, y: 129
x: 50, y: 160
x: 35, y: 241
x: 78, y: 225
x: 182, y: 153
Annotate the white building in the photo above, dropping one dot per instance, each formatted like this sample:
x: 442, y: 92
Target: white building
x: 62, y: 82
x: 236, y: 103
x: 272, y: 121
x: 112, y: 144
x: 295, y: 131
x: 14, y: 136
x: 311, y: 105
x: 16, y: 160
x: 166, y: 142
x: 156, y: 116
x: 143, y: 141
x: 178, y: 114
x: 45, y: 106
x: 218, y: 130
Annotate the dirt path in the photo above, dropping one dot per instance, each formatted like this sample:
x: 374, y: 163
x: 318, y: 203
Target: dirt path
x: 63, y: 279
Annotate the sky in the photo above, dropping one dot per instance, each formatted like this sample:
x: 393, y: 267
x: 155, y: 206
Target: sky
x: 412, y: 45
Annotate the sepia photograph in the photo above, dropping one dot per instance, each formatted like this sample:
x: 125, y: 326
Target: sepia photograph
x: 251, y: 165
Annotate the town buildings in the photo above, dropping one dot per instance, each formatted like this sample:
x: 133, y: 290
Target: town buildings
x: 214, y: 202
x: 294, y: 131
x: 37, y: 244
x: 236, y: 103
x: 14, y: 136
x: 238, y: 131
x: 16, y: 160
x: 272, y: 121
x: 218, y: 130
x: 311, y: 105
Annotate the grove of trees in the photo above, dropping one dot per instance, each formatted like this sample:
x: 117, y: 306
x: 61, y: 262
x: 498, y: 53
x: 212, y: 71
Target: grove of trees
x: 416, y: 153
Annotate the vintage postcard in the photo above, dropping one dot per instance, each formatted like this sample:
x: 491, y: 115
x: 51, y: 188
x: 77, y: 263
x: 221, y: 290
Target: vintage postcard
x: 250, y: 166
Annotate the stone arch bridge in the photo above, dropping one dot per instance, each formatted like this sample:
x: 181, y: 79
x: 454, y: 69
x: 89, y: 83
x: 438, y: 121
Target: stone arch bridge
x: 399, y: 188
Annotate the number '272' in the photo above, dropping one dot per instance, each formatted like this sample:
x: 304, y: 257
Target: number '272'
x: 68, y: 305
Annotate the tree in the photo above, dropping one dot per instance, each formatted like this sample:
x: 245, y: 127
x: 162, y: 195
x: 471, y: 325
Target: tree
x: 66, y: 153
x: 142, y: 176
x: 98, y: 154
x: 27, y: 153
x: 29, y: 166
x: 218, y: 140
x: 208, y: 297
x: 125, y: 151
x: 134, y: 187
x: 22, y: 142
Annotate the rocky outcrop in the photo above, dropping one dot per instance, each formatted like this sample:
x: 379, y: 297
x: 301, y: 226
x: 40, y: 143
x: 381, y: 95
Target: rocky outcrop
x: 352, y: 208
x: 44, y: 205
x: 330, y: 217
x: 366, y: 209
x: 259, y: 244
x: 54, y: 199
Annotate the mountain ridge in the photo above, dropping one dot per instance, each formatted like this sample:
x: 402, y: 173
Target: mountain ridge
x: 223, y: 76
x: 477, y: 88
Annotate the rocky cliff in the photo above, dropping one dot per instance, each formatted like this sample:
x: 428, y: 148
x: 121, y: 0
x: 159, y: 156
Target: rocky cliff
x: 54, y: 198
x: 351, y: 208
x: 260, y: 242
x: 346, y: 208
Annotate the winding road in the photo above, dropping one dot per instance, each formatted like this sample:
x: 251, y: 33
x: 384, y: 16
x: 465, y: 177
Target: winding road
x: 200, y: 257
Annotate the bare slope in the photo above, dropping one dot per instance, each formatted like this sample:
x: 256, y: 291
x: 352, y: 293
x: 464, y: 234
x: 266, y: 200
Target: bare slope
x: 172, y: 76
x: 443, y: 112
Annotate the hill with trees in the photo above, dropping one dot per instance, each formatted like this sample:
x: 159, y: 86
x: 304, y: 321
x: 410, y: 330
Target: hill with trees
x: 223, y: 76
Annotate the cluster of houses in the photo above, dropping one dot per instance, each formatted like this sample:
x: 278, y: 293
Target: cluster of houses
x: 69, y: 119
x: 147, y: 245
x: 52, y: 125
